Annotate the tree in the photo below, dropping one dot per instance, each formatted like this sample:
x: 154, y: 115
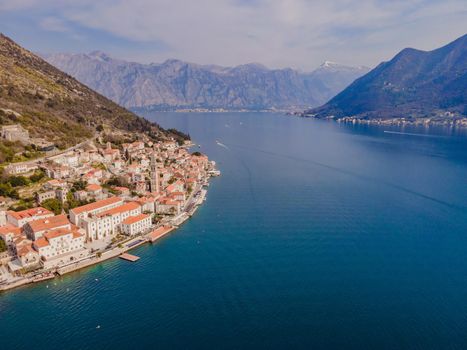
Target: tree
x: 17, y: 181
x: 100, y: 166
x: 3, y: 246
x: 37, y: 176
x: 53, y: 205
x: 5, y: 189
x: 79, y: 185
x: 14, y: 194
x: 117, y: 181
x: 71, y: 201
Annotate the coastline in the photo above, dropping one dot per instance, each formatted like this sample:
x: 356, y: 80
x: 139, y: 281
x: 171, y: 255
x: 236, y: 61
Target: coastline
x: 134, y: 242
x: 460, y: 123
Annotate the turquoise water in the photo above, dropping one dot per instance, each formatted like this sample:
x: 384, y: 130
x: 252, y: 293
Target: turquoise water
x: 317, y: 235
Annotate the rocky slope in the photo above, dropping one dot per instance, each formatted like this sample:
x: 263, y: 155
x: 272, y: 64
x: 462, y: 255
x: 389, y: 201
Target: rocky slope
x: 414, y: 84
x: 177, y: 84
x: 54, y: 106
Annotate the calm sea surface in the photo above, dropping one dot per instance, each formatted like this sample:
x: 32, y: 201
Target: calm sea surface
x: 317, y: 235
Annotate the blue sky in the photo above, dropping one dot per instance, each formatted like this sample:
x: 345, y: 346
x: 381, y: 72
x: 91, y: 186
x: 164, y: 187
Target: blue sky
x: 278, y: 33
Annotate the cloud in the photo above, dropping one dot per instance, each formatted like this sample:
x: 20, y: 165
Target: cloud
x: 7, y: 5
x: 298, y: 33
x: 54, y: 24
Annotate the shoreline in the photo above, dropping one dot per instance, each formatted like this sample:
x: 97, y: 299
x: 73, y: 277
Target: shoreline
x: 115, y: 252
x: 460, y: 123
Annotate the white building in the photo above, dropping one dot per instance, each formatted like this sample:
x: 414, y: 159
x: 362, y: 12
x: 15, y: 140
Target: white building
x: 2, y: 217
x: 107, y: 223
x: 168, y: 206
x: 20, y: 218
x: 59, y: 247
x: 45, y: 195
x: 70, y: 159
x: 19, y: 168
x: 35, y: 229
x: 27, y: 255
x: 8, y: 233
x: 136, y: 224
x: 77, y: 214
x: 148, y: 204
x: 15, y: 133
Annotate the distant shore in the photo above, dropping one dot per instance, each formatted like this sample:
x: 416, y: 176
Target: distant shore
x: 216, y: 110
x: 452, y: 122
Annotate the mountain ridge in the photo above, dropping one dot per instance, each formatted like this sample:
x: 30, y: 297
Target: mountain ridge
x: 176, y: 84
x: 413, y: 84
x: 54, y: 106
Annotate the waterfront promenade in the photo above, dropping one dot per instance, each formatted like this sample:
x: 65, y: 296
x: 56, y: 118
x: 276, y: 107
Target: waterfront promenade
x: 155, y: 233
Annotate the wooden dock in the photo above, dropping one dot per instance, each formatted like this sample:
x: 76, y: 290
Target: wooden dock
x: 129, y: 257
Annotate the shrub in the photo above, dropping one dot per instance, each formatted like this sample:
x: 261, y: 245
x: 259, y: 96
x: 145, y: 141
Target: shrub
x: 37, y: 176
x: 53, y: 205
x: 3, y: 246
x: 17, y: 181
x: 79, y: 185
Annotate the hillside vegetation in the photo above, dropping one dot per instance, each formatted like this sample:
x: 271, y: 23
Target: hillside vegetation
x: 54, y: 106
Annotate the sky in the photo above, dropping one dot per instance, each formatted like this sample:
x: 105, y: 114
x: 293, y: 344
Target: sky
x: 277, y: 33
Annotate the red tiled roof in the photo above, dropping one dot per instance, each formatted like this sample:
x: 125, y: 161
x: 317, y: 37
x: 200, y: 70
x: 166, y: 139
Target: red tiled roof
x: 56, y: 182
x: 25, y: 249
x: 96, y: 205
x: 121, y: 209
x: 48, y: 223
x: 168, y: 201
x: 20, y: 239
x: 76, y: 234
x: 133, y: 219
x: 93, y: 187
x: 41, y: 242
x: 29, y: 213
x: 177, y: 194
x: 10, y: 229
x: 145, y: 200
x: 57, y: 233
x: 121, y: 189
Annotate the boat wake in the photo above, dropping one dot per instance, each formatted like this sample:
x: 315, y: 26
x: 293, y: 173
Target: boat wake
x: 360, y: 176
x: 410, y: 134
x: 222, y: 145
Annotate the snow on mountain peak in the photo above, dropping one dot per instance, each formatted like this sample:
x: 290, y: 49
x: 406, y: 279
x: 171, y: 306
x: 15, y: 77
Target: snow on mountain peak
x: 328, y: 64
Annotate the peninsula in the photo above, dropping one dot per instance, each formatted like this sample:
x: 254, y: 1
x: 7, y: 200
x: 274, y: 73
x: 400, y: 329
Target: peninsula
x: 82, y: 179
x: 93, y: 203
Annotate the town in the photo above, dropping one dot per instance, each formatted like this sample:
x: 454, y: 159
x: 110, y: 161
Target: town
x: 94, y: 202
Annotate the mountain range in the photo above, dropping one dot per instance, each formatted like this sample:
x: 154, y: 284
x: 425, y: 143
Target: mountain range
x: 55, y: 107
x: 414, y: 84
x: 175, y: 84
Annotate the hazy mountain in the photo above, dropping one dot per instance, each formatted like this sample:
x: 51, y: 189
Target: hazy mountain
x: 413, y: 84
x: 54, y: 106
x: 178, y: 84
x: 331, y: 78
